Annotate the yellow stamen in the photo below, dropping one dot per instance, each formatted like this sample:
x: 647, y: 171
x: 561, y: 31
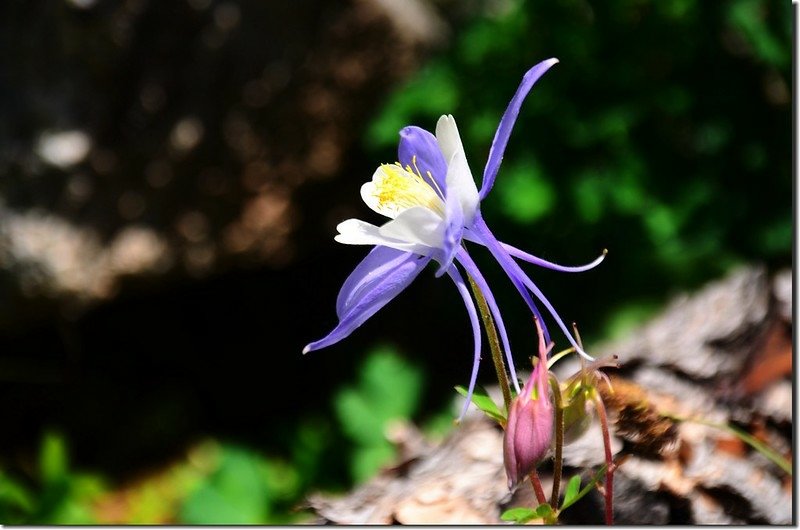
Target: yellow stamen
x: 430, y: 177
x: 398, y: 189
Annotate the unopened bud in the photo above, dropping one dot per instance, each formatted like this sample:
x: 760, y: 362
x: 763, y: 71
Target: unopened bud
x: 529, y: 430
x: 579, y: 395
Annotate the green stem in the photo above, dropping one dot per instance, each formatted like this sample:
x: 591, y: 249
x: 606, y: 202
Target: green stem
x: 558, y: 356
x: 753, y: 442
x: 558, y: 458
x: 494, y: 343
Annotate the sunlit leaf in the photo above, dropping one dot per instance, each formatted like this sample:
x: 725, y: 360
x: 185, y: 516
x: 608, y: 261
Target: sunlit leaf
x: 234, y: 494
x: 571, y: 491
x: 15, y: 501
x: 53, y: 458
x: 388, y: 389
x: 484, y: 403
x: 543, y: 511
x: 519, y: 515
x: 523, y: 515
x: 586, y: 489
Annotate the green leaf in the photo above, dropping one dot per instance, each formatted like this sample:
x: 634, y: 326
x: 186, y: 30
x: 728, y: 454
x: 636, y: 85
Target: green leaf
x: 747, y: 16
x: 485, y: 403
x: 543, y: 511
x: 16, y: 502
x: 519, y: 515
x: 281, y: 479
x: 571, y: 491
x: 391, y: 383
x: 53, y: 458
x: 586, y: 489
x: 367, y: 460
x: 360, y: 422
x: 234, y: 494
x: 752, y: 441
x: 523, y: 515
x: 762, y: 448
x: 388, y: 388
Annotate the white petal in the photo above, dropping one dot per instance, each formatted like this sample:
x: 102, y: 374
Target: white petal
x: 370, y: 197
x: 459, y: 178
x: 461, y: 185
x: 416, y: 225
x: 358, y: 232
x: 448, y: 137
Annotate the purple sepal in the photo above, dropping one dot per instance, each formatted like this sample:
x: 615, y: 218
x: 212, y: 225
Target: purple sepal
x: 452, y: 234
x: 419, y: 143
x: 530, y: 258
x: 523, y: 283
x: 381, y: 276
x: 507, y: 124
x: 476, y: 333
x: 509, y: 266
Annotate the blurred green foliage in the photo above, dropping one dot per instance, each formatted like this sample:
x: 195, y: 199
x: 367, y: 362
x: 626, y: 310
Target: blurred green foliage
x: 241, y: 490
x: 59, y: 496
x: 388, y: 389
x: 224, y: 482
x: 662, y: 135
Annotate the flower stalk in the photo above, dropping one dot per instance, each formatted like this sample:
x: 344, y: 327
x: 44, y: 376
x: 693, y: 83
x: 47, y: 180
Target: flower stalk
x: 537, y: 486
x: 609, y: 485
x: 494, y: 343
x: 558, y: 459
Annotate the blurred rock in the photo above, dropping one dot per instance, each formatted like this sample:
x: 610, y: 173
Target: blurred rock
x: 712, y: 327
x: 782, y: 288
x: 455, y: 483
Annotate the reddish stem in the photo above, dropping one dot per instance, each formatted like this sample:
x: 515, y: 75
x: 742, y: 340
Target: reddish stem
x: 537, y: 487
x: 609, y: 485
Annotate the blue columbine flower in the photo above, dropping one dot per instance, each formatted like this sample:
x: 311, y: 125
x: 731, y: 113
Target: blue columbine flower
x: 433, y: 205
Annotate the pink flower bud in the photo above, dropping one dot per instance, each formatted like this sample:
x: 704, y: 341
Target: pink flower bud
x: 529, y: 430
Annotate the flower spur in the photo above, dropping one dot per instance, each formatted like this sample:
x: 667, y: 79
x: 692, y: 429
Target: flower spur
x: 433, y: 205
